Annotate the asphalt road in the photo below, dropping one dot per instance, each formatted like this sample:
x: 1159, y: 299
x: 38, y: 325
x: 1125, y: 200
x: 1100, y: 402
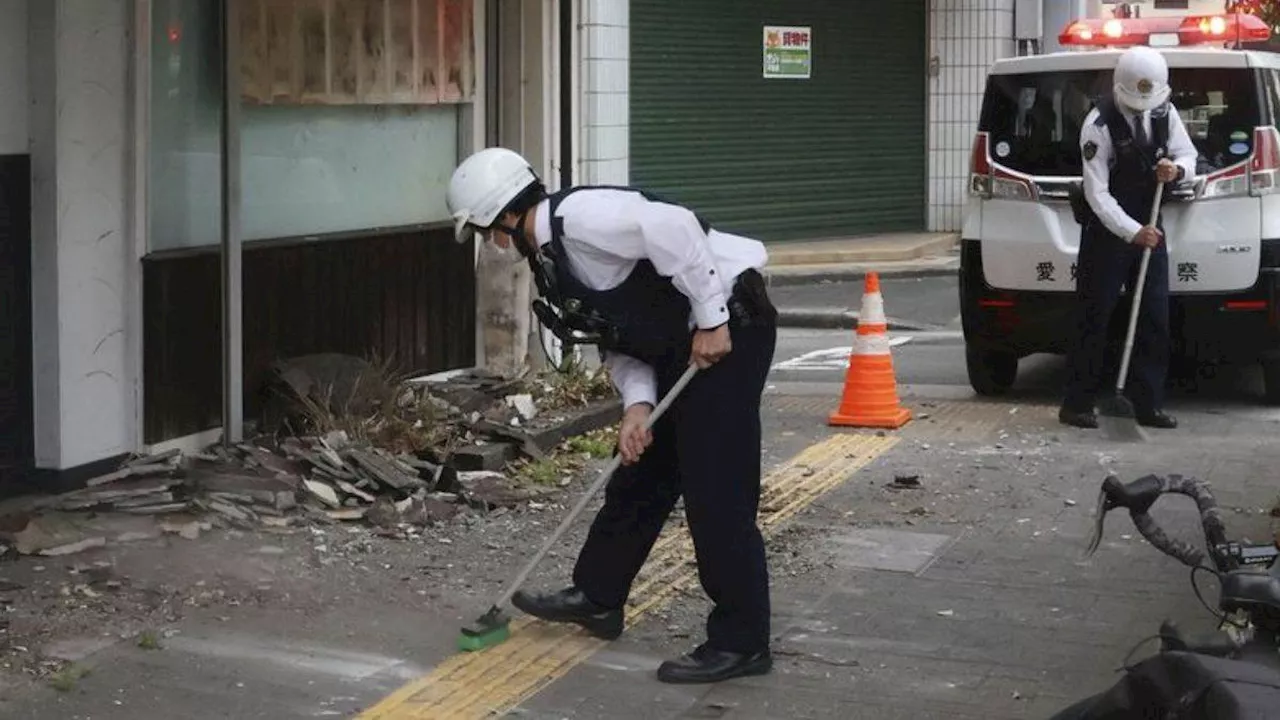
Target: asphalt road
x: 932, y: 364
x: 929, y: 361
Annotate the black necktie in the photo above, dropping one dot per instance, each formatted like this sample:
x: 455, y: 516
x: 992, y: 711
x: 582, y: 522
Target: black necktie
x: 1139, y: 131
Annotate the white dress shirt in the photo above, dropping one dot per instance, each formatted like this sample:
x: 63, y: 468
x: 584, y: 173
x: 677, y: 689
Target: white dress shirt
x: 1097, y: 171
x: 607, y: 231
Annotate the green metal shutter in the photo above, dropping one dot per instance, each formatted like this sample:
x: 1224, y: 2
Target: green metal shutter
x: 840, y: 154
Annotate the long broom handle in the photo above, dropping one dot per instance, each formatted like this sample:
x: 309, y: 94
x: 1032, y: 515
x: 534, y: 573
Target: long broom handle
x: 1137, y: 296
x: 607, y: 473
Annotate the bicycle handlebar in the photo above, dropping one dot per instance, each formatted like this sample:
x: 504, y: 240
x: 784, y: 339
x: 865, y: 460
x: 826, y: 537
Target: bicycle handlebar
x: 1138, y: 496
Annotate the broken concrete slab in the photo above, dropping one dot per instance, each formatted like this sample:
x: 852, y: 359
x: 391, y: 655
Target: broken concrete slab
x: 597, y: 415
x: 522, y: 404
x: 346, y: 514
x: 386, y: 470
x: 492, y: 490
x: 74, y: 547
x: 49, y: 530
x: 323, y: 493
x: 487, y: 456
x: 132, y: 470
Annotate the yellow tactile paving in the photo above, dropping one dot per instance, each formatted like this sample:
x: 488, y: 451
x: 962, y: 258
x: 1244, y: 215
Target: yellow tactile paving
x: 488, y: 683
x: 961, y: 420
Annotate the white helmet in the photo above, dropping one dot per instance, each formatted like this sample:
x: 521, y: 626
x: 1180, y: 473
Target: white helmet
x: 483, y: 186
x: 1141, y: 79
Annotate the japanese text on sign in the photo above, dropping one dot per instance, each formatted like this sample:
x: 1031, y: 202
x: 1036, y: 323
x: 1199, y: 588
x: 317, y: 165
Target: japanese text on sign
x: 788, y: 52
x: 1044, y: 272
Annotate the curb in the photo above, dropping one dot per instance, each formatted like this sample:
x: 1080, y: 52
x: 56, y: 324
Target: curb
x: 832, y: 319
x: 785, y: 279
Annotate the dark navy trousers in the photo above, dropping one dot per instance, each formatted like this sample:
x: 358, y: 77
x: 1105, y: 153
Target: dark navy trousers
x: 1105, y: 265
x: 706, y: 449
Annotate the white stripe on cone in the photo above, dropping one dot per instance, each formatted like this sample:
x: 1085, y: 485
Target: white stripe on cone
x: 872, y: 310
x: 877, y: 344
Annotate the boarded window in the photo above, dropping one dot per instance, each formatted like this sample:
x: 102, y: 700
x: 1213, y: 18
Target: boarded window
x: 356, y: 52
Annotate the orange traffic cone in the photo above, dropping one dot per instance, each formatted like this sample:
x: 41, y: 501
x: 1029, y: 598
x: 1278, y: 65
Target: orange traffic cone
x: 870, y: 396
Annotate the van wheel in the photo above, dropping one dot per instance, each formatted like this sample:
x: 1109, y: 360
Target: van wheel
x: 1271, y: 381
x: 990, y: 372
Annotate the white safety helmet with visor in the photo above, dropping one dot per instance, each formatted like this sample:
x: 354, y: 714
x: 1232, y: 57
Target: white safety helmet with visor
x: 483, y: 186
x: 1141, y: 79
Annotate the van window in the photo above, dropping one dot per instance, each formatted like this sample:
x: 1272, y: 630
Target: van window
x: 1034, y: 119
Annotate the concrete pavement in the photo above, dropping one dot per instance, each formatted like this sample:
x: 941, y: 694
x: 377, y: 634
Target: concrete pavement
x: 964, y: 599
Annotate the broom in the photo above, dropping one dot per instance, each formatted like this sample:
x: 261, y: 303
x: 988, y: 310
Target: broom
x: 1115, y: 414
x: 493, y: 627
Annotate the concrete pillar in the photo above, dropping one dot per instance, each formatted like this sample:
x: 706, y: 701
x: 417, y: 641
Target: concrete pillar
x: 84, y: 258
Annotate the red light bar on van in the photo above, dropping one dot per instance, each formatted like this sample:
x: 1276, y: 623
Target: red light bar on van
x: 1234, y: 28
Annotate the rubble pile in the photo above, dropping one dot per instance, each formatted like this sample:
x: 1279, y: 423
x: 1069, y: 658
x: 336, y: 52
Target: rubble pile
x: 336, y: 479
x: 418, y: 456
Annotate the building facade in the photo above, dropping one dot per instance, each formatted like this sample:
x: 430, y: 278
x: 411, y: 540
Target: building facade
x: 807, y: 119
x: 130, y: 187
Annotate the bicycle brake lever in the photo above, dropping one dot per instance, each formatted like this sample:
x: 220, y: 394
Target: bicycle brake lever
x: 1099, y: 518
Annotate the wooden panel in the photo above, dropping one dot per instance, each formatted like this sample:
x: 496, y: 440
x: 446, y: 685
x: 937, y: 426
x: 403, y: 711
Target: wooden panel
x: 340, y: 52
x: 16, y: 418
x: 406, y: 297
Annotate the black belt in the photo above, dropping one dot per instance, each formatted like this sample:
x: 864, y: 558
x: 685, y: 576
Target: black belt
x: 749, y: 304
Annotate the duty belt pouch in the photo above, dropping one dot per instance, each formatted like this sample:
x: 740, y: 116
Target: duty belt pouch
x: 1080, y: 209
x: 749, y: 304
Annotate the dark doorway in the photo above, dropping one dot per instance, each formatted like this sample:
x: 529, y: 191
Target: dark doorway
x: 16, y: 418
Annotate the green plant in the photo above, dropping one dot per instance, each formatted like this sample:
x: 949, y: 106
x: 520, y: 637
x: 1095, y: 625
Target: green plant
x: 65, y: 679
x: 547, y: 471
x: 149, y: 640
x: 597, y: 445
x: 576, y: 385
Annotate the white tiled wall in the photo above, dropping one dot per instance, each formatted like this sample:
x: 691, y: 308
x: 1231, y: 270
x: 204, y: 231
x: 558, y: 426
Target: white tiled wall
x: 85, y: 382
x: 606, y: 48
x: 965, y: 37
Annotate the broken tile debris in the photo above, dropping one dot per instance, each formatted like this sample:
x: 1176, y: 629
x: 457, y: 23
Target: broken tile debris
x: 284, y: 479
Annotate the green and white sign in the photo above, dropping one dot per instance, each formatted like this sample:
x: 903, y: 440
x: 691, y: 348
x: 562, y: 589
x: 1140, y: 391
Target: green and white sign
x: 788, y: 52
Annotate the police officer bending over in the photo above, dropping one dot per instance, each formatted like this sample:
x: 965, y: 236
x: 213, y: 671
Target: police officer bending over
x: 1126, y: 143
x: 659, y: 289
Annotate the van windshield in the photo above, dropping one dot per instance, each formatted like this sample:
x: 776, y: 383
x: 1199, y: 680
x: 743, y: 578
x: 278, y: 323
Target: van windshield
x: 1034, y: 119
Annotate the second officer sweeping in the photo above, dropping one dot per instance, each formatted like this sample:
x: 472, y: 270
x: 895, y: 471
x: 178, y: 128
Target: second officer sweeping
x: 1129, y: 143
x: 658, y: 289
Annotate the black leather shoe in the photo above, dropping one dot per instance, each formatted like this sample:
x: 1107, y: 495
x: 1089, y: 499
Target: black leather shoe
x: 707, y: 665
x: 1086, y: 419
x: 572, y: 606
x: 1157, y: 419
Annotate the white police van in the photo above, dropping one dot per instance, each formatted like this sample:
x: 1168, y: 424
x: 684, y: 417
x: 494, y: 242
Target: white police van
x: 1020, y: 238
